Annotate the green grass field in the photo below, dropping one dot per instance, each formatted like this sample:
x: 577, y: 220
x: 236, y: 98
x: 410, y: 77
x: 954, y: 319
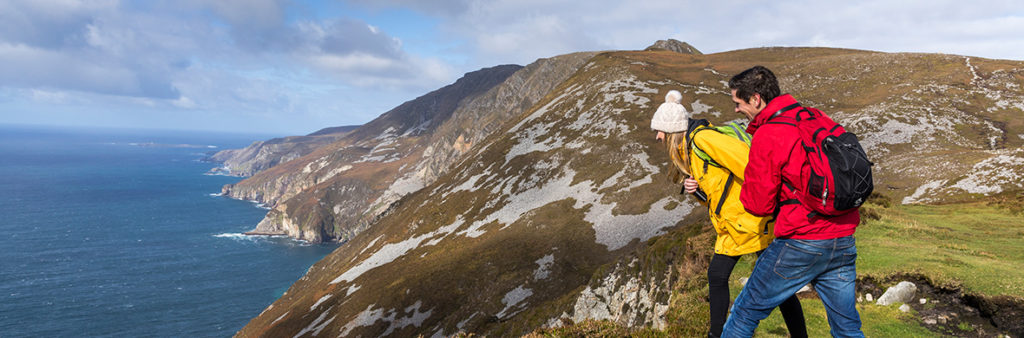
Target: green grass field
x: 974, y: 246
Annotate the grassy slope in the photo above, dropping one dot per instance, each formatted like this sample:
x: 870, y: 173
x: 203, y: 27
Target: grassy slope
x: 973, y: 245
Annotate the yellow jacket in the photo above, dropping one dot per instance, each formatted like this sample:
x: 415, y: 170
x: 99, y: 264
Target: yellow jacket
x: 739, y: 232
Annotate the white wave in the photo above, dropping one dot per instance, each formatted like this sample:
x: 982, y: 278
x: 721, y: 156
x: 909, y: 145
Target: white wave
x: 237, y: 236
x: 258, y: 204
x: 219, y: 194
x: 277, y: 239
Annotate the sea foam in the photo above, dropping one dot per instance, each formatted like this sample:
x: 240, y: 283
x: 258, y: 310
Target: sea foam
x: 237, y: 236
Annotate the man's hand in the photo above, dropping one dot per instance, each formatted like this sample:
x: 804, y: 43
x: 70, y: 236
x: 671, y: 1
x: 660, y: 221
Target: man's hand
x: 690, y: 185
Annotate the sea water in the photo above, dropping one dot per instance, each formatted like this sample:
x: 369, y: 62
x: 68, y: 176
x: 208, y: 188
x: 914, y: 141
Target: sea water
x: 122, y: 233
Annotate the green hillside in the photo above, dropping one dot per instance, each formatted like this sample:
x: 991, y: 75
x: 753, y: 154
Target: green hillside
x: 965, y: 258
x: 563, y: 214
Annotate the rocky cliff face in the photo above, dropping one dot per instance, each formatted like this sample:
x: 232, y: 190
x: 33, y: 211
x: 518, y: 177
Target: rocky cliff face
x: 478, y: 118
x: 540, y: 219
x: 262, y: 155
x: 326, y: 195
x: 337, y: 191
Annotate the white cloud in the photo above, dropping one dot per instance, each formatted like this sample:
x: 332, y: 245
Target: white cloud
x: 363, y: 55
x: 48, y: 23
x: 518, y: 31
x: 282, y: 60
x: 214, y: 61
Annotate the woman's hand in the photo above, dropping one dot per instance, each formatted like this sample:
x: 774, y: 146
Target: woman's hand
x: 690, y: 184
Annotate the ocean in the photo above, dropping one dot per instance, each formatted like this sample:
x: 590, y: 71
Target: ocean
x: 121, y: 233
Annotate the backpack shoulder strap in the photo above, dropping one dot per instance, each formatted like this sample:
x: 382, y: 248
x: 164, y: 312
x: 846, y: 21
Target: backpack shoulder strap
x: 691, y: 129
x: 725, y: 193
x: 691, y: 146
x: 784, y: 109
x: 777, y: 117
x: 693, y: 125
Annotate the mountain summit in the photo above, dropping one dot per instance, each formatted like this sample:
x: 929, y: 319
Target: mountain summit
x: 674, y: 46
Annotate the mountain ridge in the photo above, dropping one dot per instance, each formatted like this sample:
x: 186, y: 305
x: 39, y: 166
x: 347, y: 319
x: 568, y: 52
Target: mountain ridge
x: 338, y: 190
x: 262, y: 155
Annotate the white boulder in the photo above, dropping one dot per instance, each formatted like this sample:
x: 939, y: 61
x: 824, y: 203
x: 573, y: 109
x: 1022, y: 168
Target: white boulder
x: 901, y: 293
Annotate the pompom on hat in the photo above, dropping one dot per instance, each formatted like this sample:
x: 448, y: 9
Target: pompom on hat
x: 671, y: 116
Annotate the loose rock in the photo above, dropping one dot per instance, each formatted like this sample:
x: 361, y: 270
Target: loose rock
x: 901, y: 293
x: 905, y: 308
x: 869, y: 298
x: 923, y: 301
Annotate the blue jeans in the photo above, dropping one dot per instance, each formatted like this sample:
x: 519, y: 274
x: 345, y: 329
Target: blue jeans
x: 789, y: 264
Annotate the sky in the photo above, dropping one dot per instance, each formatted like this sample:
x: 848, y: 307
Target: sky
x: 293, y: 67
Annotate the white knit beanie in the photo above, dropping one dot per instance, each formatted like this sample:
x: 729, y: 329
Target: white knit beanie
x: 671, y: 116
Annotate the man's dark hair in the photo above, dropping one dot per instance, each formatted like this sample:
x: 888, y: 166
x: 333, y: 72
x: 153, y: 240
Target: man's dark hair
x: 756, y: 80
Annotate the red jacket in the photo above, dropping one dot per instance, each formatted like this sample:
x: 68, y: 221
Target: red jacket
x: 776, y: 156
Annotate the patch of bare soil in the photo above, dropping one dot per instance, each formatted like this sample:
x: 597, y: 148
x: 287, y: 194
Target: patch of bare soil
x: 950, y: 310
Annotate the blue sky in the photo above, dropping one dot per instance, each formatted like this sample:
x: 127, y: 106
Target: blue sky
x: 292, y: 67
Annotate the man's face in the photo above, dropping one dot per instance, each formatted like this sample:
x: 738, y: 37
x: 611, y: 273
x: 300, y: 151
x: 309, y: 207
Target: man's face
x: 751, y: 108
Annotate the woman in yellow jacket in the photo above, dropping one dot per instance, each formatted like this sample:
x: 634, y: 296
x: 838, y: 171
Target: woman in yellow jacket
x: 717, y: 181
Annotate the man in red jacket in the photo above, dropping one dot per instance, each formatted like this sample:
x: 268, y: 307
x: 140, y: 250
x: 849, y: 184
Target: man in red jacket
x: 809, y: 248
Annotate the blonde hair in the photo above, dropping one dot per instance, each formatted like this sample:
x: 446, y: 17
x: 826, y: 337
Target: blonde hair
x: 675, y: 143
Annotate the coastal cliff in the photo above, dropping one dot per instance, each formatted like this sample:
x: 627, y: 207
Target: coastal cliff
x: 262, y: 155
x: 337, y: 190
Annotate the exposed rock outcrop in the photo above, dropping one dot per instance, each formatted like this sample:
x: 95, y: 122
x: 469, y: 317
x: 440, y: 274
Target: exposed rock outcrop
x: 624, y: 298
x: 674, y: 46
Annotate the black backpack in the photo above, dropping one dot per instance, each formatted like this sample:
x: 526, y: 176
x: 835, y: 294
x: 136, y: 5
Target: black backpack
x: 836, y: 177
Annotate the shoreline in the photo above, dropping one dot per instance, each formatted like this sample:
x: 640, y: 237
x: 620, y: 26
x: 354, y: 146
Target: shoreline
x: 256, y: 233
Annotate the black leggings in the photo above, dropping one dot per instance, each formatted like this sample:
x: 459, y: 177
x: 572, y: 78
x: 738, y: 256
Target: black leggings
x: 718, y: 295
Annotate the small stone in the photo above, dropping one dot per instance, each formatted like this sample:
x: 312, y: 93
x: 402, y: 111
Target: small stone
x: 923, y: 301
x: 860, y: 298
x: 905, y: 308
x: 930, y: 321
x: 869, y: 297
x: 943, y: 319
